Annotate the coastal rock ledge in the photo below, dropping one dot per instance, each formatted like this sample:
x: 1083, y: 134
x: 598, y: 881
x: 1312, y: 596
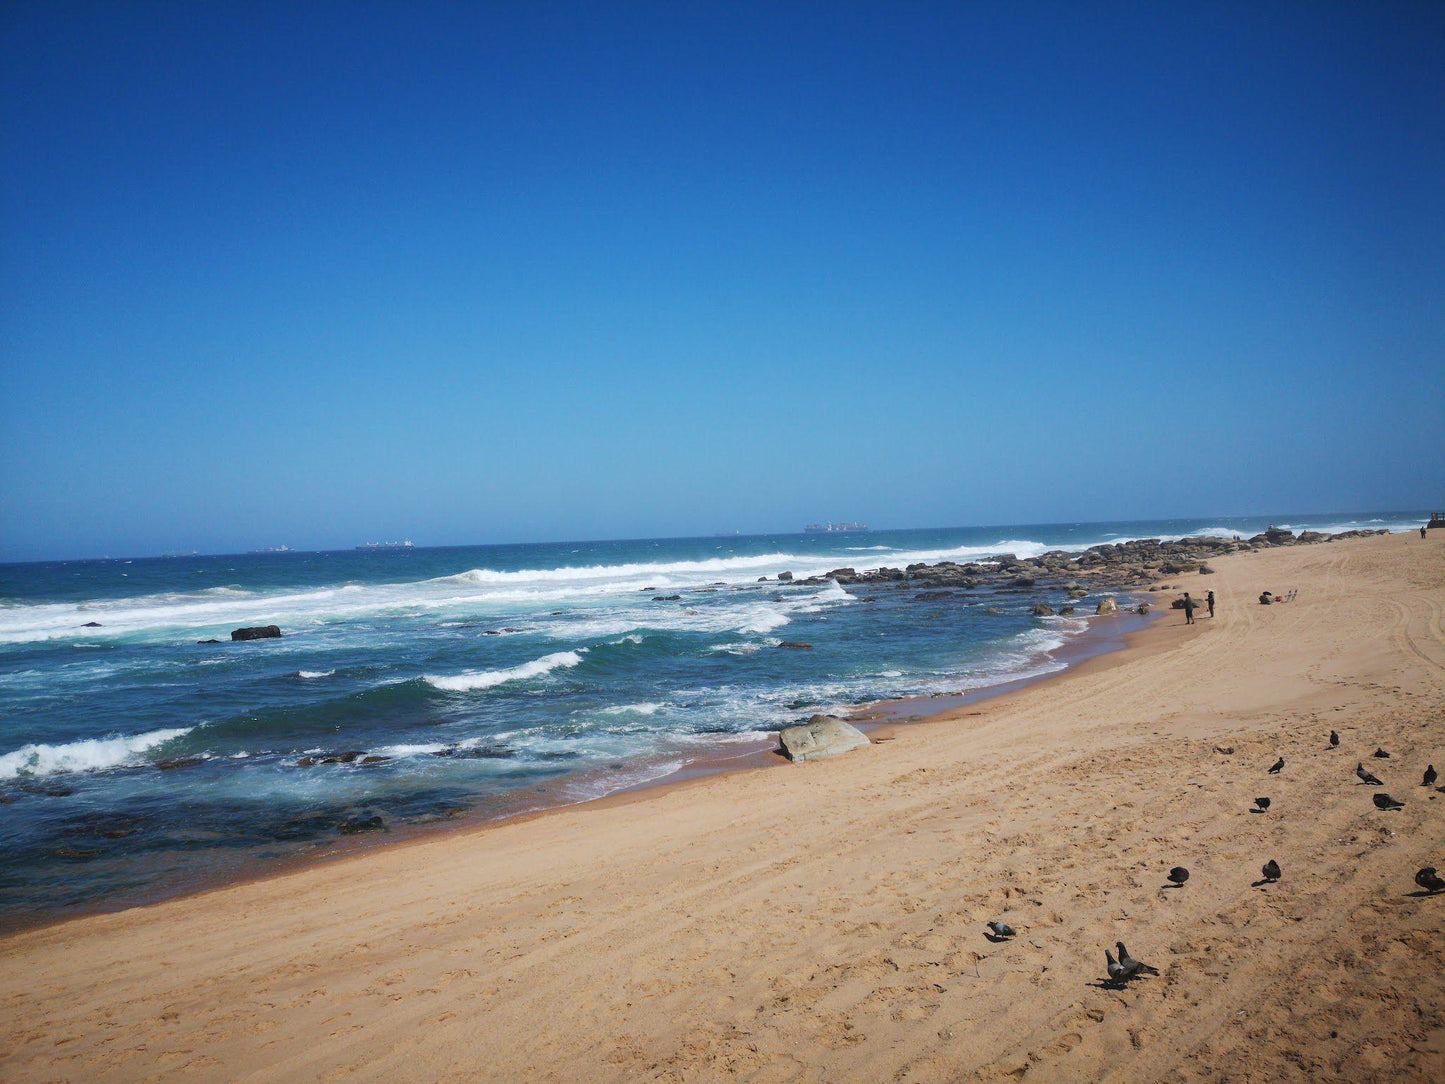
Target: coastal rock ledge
x: 820, y: 736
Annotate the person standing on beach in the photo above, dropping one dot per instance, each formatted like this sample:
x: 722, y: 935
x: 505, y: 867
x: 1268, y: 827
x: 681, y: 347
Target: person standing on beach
x: 1209, y: 601
x: 1188, y: 609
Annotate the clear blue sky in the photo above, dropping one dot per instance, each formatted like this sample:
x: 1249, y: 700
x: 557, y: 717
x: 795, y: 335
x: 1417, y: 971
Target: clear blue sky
x: 318, y: 274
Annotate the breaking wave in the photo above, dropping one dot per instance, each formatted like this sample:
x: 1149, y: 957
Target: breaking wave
x: 477, y: 680
x: 90, y: 755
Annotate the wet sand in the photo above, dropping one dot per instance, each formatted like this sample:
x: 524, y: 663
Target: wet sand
x: 825, y: 921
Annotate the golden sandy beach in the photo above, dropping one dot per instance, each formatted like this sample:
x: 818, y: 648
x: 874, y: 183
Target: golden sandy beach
x: 824, y: 922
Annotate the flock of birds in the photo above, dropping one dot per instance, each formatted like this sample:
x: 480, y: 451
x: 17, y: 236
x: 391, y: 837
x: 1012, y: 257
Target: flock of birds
x: 1125, y: 968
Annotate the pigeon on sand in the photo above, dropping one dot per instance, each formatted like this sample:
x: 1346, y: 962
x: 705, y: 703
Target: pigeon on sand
x: 1271, y: 870
x: 1132, y: 966
x: 1367, y: 777
x: 1274, y: 768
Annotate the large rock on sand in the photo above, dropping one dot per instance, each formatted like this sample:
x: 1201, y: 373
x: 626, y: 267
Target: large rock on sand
x: 820, y: 736
x: 1107, y: 605
x: 258, y: 632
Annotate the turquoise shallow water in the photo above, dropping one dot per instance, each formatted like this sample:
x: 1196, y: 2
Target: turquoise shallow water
x: 135, y: 761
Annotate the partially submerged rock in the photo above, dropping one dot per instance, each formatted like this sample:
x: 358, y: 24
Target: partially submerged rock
x: 257, y: 632
x: 820, y: 736
x: 796, y: 645
x: 1107, y: 605
x: 1043, y: 609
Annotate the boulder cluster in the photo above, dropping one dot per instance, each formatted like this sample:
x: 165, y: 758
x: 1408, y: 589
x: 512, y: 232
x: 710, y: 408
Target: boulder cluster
x: 1110, y: 565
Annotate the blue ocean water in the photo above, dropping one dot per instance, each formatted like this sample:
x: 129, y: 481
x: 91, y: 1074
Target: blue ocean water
x: 135, y: 761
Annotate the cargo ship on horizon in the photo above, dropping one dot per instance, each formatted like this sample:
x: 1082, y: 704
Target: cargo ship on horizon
x: 834, y: 528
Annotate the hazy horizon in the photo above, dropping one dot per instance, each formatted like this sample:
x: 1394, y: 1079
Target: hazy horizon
x: 1394, y: 515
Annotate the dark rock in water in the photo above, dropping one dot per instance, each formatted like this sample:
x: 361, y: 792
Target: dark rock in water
x: 1043, y: 609
x: 73, y: 852
x: 786, y: 577
x: 665, y: 598
x: 374, y: 758
x: 92, y: 625
x: 257, y: 632
x: 1142, y: 609
x: 208, y: 641
x: 373, y: 823
x: 1065, y: 611
x: 994, y: 610
x: 475, y: 752
x: 348, y: 757
x: 500, y: 631
x: 1023, y: 580
x: 1080, y: 592
x: 762, y: 579
x: 796, y: 646
x: 1107, y: 605
x: 179, y: 762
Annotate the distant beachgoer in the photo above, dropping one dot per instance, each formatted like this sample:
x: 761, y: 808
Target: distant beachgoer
x: 1265, y: 598
x: 1422, y: 532
x: 1209, y: 601
x: 1188, y: 609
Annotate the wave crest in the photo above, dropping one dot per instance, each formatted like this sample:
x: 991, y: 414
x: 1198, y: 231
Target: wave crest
x: 88, y: 755
x: 476, y: 680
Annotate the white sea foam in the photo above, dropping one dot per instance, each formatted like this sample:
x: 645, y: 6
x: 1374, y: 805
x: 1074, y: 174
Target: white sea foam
x: 314, y: 673
x: 405, y: 750
x: 765, y: 622
x: 87, y: 755
x: 648, y: 708
x: 476, y: 680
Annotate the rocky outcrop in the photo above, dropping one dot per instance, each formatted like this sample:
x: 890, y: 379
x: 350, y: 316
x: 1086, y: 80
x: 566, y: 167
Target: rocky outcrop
x: 666, y: 598
x: 1066, y: 611
x: 92, y: 625
x: 1107, y: 605
x: 821, y: 736
x: 1042, y: 609
x: 258, y: 632
x: 785, y: 577
x: 796, y: 645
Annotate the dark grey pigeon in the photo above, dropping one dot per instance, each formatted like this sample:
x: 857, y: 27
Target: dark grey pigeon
x: 1384, y: 801
x: 1367, y: 777
x: 1271, y: 870
x: 1429, y: 880
x: 1430, y: 776
x: 1334, y: 739
x: 1263, y: 804
x: 1381, y: 754
x: 1276, y: 766
x: 1001, y: 929
x: 1115, y: 969
x: 1179, y: 875
x: 1132, y: 966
